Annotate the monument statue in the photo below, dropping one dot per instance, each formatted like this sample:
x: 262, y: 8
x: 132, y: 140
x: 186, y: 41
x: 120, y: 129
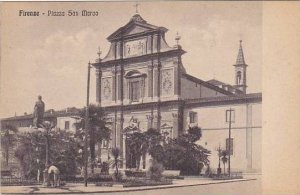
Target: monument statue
x: 38, y: 113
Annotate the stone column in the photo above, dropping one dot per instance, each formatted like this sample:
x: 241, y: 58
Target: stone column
x: 124, y: 151
x: 155, y: 80
x: 154, y: 43
x: 119, y: 84
x: 150, y: 80
x: 175, y: 125
x: 142, y: 87
x: 113, y: 84
x: 98, y: 85
x: 176, y: 79
x: 154, y: 122
x: 121, y: 138
x: 113, y: 132
x: 149, y: 121
x: 118, y: 132
x: 118, y: 50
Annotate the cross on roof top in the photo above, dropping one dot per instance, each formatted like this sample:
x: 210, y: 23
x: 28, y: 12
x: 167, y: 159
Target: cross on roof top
x: 99, y: 52
x: 177, y: 38
x: 136, y: 7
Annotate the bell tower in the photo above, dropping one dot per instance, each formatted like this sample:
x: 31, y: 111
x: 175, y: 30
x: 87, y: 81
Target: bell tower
x: 241, y: 71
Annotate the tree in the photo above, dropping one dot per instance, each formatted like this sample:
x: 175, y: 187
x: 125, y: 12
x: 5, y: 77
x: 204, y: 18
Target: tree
x: 184, y: 154
x: 98, y: 131
x: 8, y: 139
x: 224, y: 158
x: 138, y: 146
x: 27, y: 154
x: 116, y: 161
x: 141, y: 143
x: 63, y: 152
x: 155, y: 170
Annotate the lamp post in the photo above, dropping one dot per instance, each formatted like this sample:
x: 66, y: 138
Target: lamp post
x: 87, y: 126
x: 229, y: 115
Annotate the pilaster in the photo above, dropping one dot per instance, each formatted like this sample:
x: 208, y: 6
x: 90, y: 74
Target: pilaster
x: 175, y: 124
x: 119, y: 84
x: 113, y: 133
x: 98, y: 85
x: 113, y: 70
x: 150, y: 80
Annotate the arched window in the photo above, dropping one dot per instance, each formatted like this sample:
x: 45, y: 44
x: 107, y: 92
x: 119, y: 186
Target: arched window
x: 238, y: 77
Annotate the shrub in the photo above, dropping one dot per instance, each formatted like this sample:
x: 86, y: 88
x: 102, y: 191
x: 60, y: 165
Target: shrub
x: 135, y: 173
x: 138, y: 183
x: 117, y: 176
x: 94, y: 178
x: 105, y: 168
x: 155, y: 171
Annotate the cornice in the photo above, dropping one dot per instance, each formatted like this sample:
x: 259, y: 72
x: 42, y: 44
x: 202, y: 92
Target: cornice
x: 138, y: 58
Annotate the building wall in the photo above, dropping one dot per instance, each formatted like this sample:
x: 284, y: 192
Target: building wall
x: 246, y: 132
x: 61, y: 123
x: 111, y: 83
x: 192, y: 90
x: 143, y: 119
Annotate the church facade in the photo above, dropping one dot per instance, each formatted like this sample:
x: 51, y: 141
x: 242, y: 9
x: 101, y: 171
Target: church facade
x: 141, y: 83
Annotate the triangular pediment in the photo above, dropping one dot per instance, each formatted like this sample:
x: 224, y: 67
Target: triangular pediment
x: 136, y: 25
x: 136, y: 29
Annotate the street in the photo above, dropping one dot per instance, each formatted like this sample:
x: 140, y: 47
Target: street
x: 185, y: 187
x: 234, y: 188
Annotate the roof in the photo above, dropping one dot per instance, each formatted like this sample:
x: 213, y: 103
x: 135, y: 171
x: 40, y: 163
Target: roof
x: 48, y: 114
x: 241, y: 98
x: 206, y: 84
x: 224, y: 86
x: 216, y: 82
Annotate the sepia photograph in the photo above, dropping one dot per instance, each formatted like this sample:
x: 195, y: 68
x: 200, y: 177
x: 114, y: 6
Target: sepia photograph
x: 154, y: 97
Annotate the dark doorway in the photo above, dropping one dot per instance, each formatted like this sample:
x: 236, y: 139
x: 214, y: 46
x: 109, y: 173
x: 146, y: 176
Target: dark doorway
x: 130, y: 156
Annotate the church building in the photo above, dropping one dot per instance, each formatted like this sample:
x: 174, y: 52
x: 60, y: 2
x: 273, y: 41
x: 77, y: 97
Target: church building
x: 142, y: 83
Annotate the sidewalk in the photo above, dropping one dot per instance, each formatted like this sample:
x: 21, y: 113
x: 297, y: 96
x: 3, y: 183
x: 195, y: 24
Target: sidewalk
x: 92, y: 188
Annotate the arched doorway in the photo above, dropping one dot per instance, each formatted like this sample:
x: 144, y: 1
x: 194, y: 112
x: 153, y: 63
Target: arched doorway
x: 130, y: 156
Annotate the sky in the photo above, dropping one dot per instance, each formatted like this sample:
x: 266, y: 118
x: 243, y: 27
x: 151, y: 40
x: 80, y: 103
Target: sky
x: 48, y: 55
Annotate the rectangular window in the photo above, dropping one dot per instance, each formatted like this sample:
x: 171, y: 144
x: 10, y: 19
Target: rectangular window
x: 67, y: 125
x: 134, y: 91
x: 193, y: 117
x: 231, y: 145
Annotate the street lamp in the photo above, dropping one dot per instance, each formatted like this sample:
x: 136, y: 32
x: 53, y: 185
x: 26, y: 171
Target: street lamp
x: 230, y: 115
x: 219, y: 165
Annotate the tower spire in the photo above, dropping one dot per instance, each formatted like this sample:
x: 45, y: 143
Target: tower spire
x: 240, y: 57
x: 240, y: 71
